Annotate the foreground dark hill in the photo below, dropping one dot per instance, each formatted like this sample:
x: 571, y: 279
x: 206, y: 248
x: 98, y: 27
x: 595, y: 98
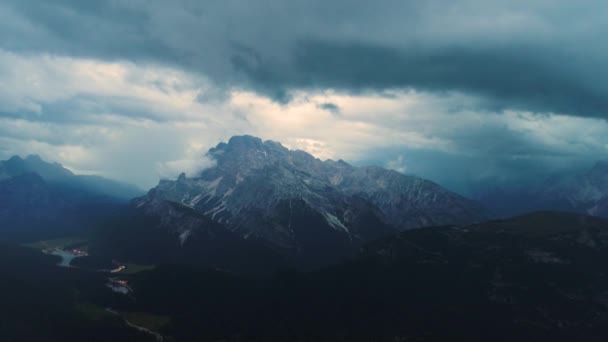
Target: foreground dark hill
x: 531, y: 278
x: 144, y: 237
x: 537, y: 277
x: 311, y: 211
x: 40, y: 200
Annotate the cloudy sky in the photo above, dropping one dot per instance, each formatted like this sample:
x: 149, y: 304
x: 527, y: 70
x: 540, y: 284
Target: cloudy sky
x: 462, y: 92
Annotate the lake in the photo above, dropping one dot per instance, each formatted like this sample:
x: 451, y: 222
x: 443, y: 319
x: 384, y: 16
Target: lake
x: 66, y: 257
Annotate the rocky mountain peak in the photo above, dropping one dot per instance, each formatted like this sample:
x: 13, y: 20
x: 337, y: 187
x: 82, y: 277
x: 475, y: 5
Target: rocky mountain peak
x: 243, y: 154
x: 247, y: 152
x: 262, y: 190
x: 243, y: 144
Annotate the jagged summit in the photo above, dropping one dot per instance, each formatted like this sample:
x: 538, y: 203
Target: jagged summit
x: 290, y: 199
x: 242, y: 143
x: 247, y: 152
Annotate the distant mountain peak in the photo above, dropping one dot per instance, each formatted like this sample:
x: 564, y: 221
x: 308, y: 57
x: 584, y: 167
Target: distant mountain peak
x: 34, y: 164
x: 583, y: 192
x: 14, y: 158
x: 244, y: 153
x: 55, y: 173
x: 248, y: 143
x: 248, y: 140
x: 262, y: 190
x: 252, y: 152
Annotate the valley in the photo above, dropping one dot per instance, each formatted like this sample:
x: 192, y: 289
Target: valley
x: 535, y: 276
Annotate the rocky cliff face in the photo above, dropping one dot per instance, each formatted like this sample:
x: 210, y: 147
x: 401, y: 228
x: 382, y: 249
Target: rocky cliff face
x: 407, y: 201
x: 289, y: 199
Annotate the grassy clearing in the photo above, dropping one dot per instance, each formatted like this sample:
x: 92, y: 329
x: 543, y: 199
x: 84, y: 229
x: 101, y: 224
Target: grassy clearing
x: 135, y: 268
x: 59, y: 243
x: 146, y: 320
x: 92, y: 311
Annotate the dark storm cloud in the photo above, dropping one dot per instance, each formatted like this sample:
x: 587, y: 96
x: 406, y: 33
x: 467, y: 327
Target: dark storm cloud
x: 89, y: 109
x: 536, y: 55
x: 127, y: 107
x: 473, y: 66
x: 83, y: 28
x: 520, y: 78
x: 472, y: 174
x: 330, y: 107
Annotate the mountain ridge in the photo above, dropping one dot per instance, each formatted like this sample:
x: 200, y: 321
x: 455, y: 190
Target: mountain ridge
x: 293, y: 201
x: 583, y: 192
x: 55, y: 173
x: 40, y: 200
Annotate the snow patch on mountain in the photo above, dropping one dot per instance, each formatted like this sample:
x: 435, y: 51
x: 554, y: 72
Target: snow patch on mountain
x: 183, y: 236
x: 335, y: 222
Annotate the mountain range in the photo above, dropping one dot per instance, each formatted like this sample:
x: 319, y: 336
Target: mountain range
x: 288, y: 201
x: 585, y: 192
x: 40, y: 200
x: 284, y: 206
x: 56, y: 174
x: 273, y: 244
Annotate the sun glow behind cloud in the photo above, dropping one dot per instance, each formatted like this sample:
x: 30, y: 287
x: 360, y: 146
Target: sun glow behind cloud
x: 139, y: 122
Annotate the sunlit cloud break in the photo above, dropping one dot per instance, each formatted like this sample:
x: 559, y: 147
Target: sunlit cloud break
x: 128, y: 98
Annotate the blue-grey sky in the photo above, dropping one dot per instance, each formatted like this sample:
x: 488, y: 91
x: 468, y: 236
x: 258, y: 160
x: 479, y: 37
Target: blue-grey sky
x: 461, y: 92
